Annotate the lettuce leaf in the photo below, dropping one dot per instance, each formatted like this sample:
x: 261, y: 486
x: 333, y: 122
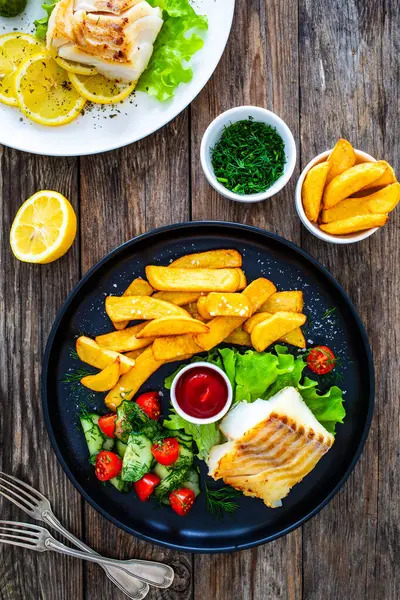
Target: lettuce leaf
x: 261, y: 375
x: 42, y: 24
x: 205, y: 436
x: 175, y: 45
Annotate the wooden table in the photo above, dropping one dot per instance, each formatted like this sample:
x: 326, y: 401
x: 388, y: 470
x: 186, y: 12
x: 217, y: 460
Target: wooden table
x: 330, y: 69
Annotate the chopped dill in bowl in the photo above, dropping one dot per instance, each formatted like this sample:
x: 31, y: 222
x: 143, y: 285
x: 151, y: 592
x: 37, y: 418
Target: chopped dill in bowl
x: 249, y: 157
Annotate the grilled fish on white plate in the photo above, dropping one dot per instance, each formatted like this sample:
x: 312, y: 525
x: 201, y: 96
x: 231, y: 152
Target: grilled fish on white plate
x: 115, y: 37
x: 272, y: 445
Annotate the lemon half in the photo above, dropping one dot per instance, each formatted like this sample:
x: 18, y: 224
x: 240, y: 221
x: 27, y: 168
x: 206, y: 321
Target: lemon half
x: 15, y: 48
x: 44, y: 228
x: 100, y: 89
x: 45, y: 93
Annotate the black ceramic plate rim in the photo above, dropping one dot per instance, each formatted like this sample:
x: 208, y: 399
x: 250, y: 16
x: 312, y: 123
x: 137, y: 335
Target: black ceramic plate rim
x: 230, y: 226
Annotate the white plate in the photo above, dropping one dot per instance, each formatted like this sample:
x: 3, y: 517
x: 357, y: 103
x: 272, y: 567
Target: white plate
x: 135, y: 118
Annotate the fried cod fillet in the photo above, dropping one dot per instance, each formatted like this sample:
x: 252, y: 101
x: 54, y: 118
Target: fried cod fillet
x: 272, y: 445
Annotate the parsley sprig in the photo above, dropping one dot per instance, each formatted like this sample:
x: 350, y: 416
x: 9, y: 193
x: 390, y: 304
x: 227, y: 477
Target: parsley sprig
x: 249, y: 157
x: 219, y: 502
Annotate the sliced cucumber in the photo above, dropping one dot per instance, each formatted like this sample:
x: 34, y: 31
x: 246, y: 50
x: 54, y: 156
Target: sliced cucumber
x: 108, y: 443
x: 161, y: 471
x: 120, y: 448
x: 94, y: 437
x: 121, y: 486
x: 170, y: 483
x: 131, y: 418
x: 185, y: 458
x: 137, y: 459
x: 192, y: 481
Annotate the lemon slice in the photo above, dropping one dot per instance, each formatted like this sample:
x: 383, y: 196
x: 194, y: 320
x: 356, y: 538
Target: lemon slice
x: 74, y: 67
x: 43, y: 229
x: 14, y: 49
x: 45, y: 93
x: 99, y: 89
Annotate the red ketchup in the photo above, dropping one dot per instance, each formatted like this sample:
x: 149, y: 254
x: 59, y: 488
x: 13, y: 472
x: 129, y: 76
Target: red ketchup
x: 201, y: 392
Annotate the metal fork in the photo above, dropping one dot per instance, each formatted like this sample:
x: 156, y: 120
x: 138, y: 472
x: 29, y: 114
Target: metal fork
x: 38, y: 507
x: 34, y: 537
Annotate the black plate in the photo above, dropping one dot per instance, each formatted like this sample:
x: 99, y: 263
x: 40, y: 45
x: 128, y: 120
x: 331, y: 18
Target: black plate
x: 288, y: 267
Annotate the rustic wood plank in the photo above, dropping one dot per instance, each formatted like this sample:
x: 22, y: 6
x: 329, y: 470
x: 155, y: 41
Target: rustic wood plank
x: 259, y: 67
x: 27, y: 313
x: 349, y: 86
x: 137, y: 188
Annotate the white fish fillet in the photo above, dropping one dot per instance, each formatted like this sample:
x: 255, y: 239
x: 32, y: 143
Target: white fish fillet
x: 118, y: 45
x: 272, y: 446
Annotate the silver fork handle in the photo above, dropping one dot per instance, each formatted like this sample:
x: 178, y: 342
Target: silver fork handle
x: 131, y: 586
x: 152, y: 573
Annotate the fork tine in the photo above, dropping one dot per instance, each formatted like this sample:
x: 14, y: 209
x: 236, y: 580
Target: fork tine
x: 14, y: 501
x: 34, y: 528
x: 15, y: 543
x: 7, y: 484
x: 23, y: 538
x: 25, y: 485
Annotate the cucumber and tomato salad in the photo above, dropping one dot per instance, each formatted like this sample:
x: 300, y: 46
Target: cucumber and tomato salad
x: 132, y: 449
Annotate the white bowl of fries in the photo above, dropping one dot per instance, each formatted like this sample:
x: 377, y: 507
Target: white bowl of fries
x: 328, y: 223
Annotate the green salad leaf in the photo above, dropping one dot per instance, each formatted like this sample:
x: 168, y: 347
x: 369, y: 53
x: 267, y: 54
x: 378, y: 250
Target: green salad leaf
x: 256, y: 375
x: 175, y: 45
x: 205, y: 436
x: 42, y: 24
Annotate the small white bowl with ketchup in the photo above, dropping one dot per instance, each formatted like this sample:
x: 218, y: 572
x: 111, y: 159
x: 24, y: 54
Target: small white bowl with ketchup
x: 201, y: 393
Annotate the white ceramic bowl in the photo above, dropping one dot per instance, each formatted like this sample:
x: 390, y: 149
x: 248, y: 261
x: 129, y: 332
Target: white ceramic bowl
x: 195, y: 420
x: 313, y: 228
x: 214, y: 132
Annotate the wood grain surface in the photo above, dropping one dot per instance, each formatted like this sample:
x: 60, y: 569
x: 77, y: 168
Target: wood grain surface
x: 330, y: 70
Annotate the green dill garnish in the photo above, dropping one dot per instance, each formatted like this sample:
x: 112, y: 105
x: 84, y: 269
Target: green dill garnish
x: 249, y: 157
x: 328, y: 313
x: 219, y: 502
x: 75, y: 377
x: 73, y: 354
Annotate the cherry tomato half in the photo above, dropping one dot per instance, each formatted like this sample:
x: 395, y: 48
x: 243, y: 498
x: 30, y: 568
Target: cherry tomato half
x: 321, y: 360
x: 150, y: 404
x: 107, y: 424
x: 182, y: 500
x: 166, y: 451
x: 108, y: 465
x: 145, y: 486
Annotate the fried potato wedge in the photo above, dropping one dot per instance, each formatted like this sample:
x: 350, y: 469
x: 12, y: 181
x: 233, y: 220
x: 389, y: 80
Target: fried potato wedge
x: 381, y: 202
x: 124, y: 340
x: 313, y: 189
x: 238, y: 337
x: 273, y: 329
x: 290, y: 301
x: 219, y: 304
x: 354, y: 224
x: 341, y: 158
x: 141, y: 307
x: 105, y: 380
x: 220, y: 329
x: 388, y: 177
x: 242, y: 280
x: 167, y: 326
x: 259, y: 317
x: 138, y: 287
x: 92, y: 354
x: 294, y: 338
x: 175, y: 347
x: 202, y: 308
x: 212, y: 259
x: 258, y: 292
x: 193, y: 280
x: 133, y: 354
x: 178, y: 298
x: 131, y: 382
x: 351, y: 181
